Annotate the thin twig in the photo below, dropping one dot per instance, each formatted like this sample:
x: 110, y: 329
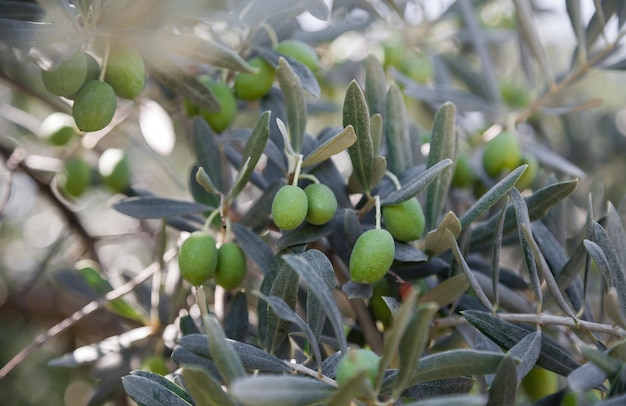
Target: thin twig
x: 83, y: 312
x: 308, y: 371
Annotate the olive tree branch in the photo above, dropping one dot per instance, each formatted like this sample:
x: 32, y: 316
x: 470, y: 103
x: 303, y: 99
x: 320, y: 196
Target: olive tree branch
x: 83, y: 312
x: 541, y: 319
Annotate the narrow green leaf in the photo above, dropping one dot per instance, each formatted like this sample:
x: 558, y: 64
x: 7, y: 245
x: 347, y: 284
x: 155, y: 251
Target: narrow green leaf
x: 521, y: 214
x: 284, y: 312
x: 204, y: 389
x: 616, y: 233
x: 254, y: 247
x: 528, y: 32
x: 207, y: 150
x: 307, y: 233
x: 402, y: 318
x: 615, y: 269
x: 283, y: 284
x: 399, y: 156
x: 598, y: 20
x: 575, y: 18
x: 376, y: 131
x: 203, y: 51
x: 493, y: 195
x: 446, y: 292
x: 610, y: 365
x: 538, y: 205
x: 226, y: 359
x: 205, y: 181
x: 478, y: 291
x: 154, y: 207
x: 356, y: 114
x: 316, y: 272
x: 375, y: 85
x: 503, y: 390
x: 495, y: 256
x: 379, y: 168
x: 451, y: 400
x: 612, y: 307
x: 432, y: 389
x: 251, y: 154
x: 236, y: 321
x: 334, y: 145
x: 438, y: 241
x: 527, y: 352
x: 455, y: 363
x: 146, y: 391
x: 586, y: 377
x: 160, y: 379
x: 280, y: 390
x: 183, y: 357
x: 416, y: 184
x: 294, y: 103
x: 413, y: 344
x: 553, y: 357
x: 547, y: 273
x: 442, y: 146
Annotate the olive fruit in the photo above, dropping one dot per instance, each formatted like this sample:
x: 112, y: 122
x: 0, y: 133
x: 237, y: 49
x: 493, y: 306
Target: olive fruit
x: 221, y: 120
x: 405, y: 221
x: 197, y: 258
x: 68, y: 77
x: 58, y: 129
x: 290, y: 207
x: 322, y: 203
x: 114, y: 169
x: 464, y: 175
x: 539, y: 383
x: 529, y: 175
x: 231, y: 266
x: 502, y: 153
x: 377, y: 304
x: 300, y: 51
x: 125, y: 72
x: 252, y: 86
x: 77, y: 176
x: 94, y: 106
x: 355, y: 362
x: 372, y: 256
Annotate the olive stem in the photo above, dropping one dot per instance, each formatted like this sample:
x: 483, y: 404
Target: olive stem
x: 309, y: 177
x: 296, y: 172
x: 105, y: 59
x: 201, y: 300
x: 228, y: 232
x: 270, y: 33
x: 209, y: 220
x: 311, y: 372
x: 377, y: 200
x: 394, y: 179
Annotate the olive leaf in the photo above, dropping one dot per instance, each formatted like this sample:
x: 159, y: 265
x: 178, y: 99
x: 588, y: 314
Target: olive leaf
x: 334, y: 145
x: 205, y: 181
x: 251, y: 153
x: 437, y: 240
x: 146, y: 391
x: 446, y: 292
x: 397, y: 131
x: 207, y: 150
x: 356, y: 114
x: 503, y: 390
x: 160, y: 379
x: 527, y: 352
x: 416, y: 184
x: 376, y: 132
x: 254, y: 247
x: 226, y: 359
x: 154, y: 207
x: 375, y: 86
x: 204, y: 389
x: 294, y: 103
x: 442, y: 146
x: 280, y: 390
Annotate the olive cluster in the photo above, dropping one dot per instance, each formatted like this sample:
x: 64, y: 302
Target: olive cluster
x: 292, y: 205
x: 95, y: 90
x: 249, y: 86
x: 113, y: 171
x: 199, y: 259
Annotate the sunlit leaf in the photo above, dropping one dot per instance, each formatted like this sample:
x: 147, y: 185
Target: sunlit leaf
x: 356, y: 114
x: 334, y: 145
x: 417, y: 184
x: 204, y: 389
x: 294, y: 103
x: 173, y: 387
x: 442, y: 146
x: 146, y: 391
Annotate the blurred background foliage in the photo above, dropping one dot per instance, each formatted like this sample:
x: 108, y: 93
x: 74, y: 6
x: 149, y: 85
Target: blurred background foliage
x: 437, y: 51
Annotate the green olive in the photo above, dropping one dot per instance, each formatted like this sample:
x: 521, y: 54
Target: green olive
x: 529, y: 175
x: 58, y: 129
x: 355, y: 362
x: 197, y: 258
x: 322, y: 203
x: 221, y: 120
x: 539, y: 383
x: 114, y: 169
x: 253, y: 86
x: 77, y: 176
x: 125, y: 72
x: 231, y: 266
x: 502, y: 154
x: 372, y: 256
x: 289, y: 208
x: 405, y: 221
x: 68, y: 77
x: 93, y: 73
x: 301, y: 52
x: 464, y: 175
x: 377, y: 304
x: 94, y: 106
